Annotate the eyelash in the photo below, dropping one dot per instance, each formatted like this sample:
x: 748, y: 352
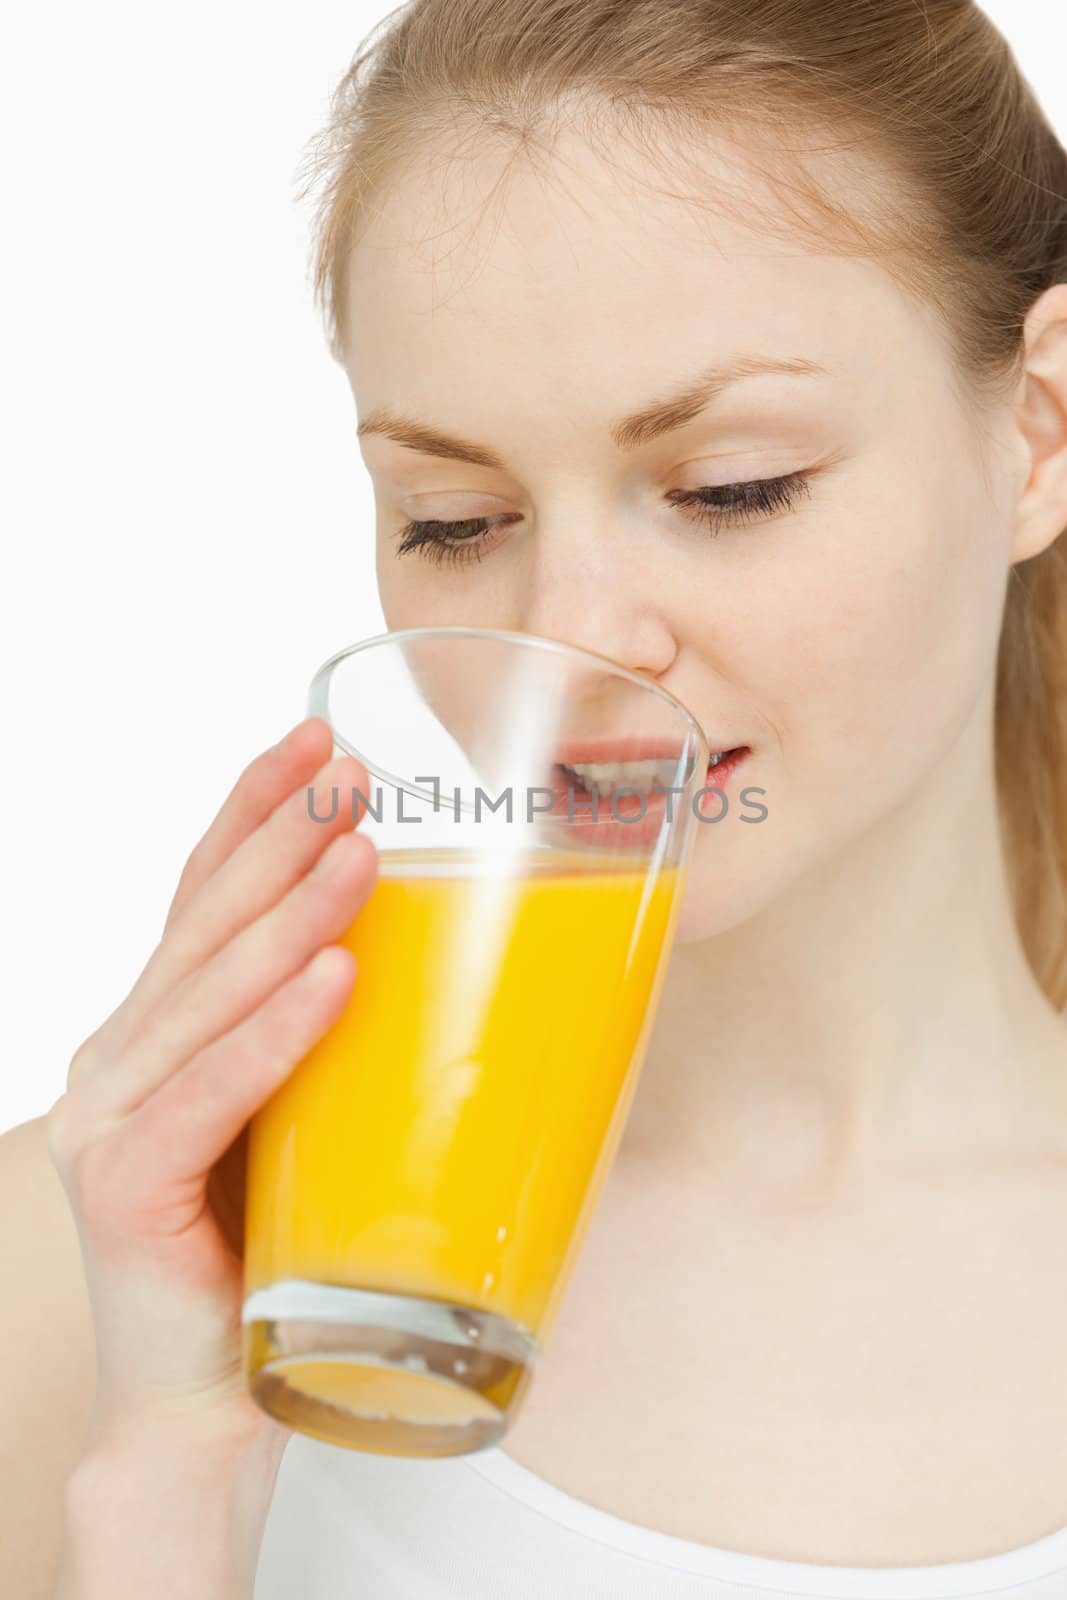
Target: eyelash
x: 440, y: 542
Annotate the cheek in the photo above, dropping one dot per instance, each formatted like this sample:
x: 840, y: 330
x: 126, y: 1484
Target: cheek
x: 884, y: 634
x: 865, y: 666
x: 413, y: 594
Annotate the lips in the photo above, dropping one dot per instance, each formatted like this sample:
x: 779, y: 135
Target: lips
x: 625, y: 819
x: 622, y: 747
x: 719, y: 775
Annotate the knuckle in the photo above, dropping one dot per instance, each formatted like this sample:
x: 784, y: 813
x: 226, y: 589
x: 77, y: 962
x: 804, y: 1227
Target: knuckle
x: 89, y: 1158
x: 82, y: 1059
x: 74, y: 1148
x: 184, y: 891
x: 188, y: 870
x: 314, y: 908
x: 366, y: 854
x: 192, y: 871
x: 254, y: 768
x: 335, y: 871
x: 342, y: 773
x: 282, y: 1035
x: 347, y: 767
x: 60, y: 1125
x: 335, y: 853
x: 258, y: 780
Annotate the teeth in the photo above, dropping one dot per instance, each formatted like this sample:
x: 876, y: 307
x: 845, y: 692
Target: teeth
x: 612, y: 775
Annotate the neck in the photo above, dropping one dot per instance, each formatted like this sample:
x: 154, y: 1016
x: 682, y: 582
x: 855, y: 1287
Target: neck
x: 879, y: 1014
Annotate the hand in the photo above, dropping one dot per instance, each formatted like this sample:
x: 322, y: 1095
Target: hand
x: 149, y: 1137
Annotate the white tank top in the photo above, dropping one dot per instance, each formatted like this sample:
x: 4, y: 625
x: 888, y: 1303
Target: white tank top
x: 349, y: 1525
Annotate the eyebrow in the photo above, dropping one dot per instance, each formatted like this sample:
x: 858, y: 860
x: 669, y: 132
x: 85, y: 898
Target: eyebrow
x: 627, y: 433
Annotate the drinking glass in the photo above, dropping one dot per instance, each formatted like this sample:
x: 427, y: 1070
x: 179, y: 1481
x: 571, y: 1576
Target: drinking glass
x: 419, y: 1188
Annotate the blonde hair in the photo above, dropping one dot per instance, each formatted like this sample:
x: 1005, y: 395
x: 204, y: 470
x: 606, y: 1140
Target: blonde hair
x: 969, y: 214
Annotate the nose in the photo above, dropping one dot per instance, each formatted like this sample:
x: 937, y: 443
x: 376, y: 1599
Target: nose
x: 588, y: 602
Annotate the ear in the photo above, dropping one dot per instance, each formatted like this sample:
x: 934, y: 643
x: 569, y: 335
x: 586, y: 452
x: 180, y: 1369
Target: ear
x: 1041, y: 416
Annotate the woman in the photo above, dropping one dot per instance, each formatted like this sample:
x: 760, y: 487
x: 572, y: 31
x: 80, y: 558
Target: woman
x: 730, y: 343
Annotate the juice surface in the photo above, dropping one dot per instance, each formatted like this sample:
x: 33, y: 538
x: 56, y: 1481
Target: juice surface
x: 449, y: 1136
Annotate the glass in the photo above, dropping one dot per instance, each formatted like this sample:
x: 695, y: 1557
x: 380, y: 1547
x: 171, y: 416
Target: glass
x: 419, y: 1188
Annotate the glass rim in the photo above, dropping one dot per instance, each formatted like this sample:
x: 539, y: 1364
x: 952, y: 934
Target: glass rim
x: 318, y: 689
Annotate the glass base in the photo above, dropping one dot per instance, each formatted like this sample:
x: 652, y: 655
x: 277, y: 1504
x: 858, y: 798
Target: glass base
x: 391, y: 1373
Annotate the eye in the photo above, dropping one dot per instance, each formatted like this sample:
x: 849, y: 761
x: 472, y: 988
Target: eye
x: 732, y: 503
x: 446, y: 541
x: 717, y: 506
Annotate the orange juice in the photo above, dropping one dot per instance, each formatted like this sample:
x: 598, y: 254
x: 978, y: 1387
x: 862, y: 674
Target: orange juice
x: 450, y: 1134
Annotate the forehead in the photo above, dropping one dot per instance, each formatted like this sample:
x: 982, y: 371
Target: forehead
x: 586, y: 264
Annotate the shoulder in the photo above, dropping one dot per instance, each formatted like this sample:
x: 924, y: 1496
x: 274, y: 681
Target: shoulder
x: 47, y: 1360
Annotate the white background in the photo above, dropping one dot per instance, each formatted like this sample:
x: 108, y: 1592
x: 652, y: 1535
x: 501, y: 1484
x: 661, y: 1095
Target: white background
x: 188, y: 531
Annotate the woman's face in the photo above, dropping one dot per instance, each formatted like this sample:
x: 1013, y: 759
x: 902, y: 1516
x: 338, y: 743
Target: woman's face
x: 844, y: 629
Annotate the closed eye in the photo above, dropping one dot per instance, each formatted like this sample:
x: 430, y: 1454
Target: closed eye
x: 716, y: 505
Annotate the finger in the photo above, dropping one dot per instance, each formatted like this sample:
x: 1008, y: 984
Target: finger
x: 260, y: 869
x: 263, y: 868
x: 240, y: 977
x: 146, y: 1178
x: 262, y: 786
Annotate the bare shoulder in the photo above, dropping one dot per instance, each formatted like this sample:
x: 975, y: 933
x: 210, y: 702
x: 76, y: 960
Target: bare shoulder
x: 47, y: 1360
